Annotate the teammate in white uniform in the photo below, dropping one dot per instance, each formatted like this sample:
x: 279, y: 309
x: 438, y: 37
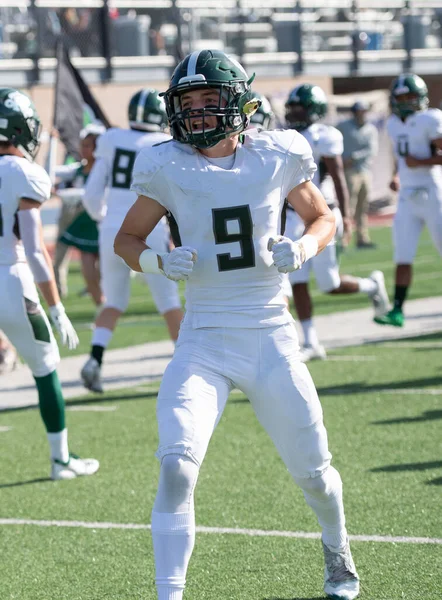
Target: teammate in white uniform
x: 416, y: 133
x: 24, y: 186
x: 305, y: 106
x: 108, y: 198
x: 226, y: 190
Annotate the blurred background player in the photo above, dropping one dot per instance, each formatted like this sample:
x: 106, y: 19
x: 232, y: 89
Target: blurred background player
x: 416, y: 134
x: 264, y: 118
x: 360, y: 146
x: 108, y: 198
x: 24, y: 260
x: 305, y: 107
x: 82, y: 231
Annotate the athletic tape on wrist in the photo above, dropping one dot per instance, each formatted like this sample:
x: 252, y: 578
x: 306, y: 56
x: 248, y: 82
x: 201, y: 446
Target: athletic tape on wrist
x: 310, y: 246
x: 149, y: 261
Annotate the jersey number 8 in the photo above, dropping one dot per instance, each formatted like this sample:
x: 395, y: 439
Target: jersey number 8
x: 122, y: 167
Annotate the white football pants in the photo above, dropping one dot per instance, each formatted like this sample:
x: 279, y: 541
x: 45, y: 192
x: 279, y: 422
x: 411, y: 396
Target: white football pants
x: 264, y: 364
x: 24, y: 321
x: 416, y: 208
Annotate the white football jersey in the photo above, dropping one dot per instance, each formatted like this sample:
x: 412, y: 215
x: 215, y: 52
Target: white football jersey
x: 325, y: 141
x: 19, y: 178
x: 228, y: 216
x: 119, y: 148
x: 413, y: 137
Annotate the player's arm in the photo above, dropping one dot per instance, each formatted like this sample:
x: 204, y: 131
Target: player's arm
x: 95, y: 189
x: 335, y: 167
x: 130, y: 243
x: 395, y: 183
x: 320, y: 228
x: 40, y: 263
x: 310, y: 204
x: 434, y: 159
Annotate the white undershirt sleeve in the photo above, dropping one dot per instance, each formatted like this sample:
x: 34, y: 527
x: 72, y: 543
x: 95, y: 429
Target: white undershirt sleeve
x: 94, y: 192
x: 30, y: 223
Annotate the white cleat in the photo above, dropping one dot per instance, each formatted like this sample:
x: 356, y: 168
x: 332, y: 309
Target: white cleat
x: 380, y: 299
x: 74, y: 467
x: 312, y: 353
x: 91, y: 375
x: 341, y: 582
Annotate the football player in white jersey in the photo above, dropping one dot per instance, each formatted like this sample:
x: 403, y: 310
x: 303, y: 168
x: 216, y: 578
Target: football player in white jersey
x: 416, y: 133
x: 24, y: 261
x: 305, y: 107
x: 107, y: 199
x: 226, y: 188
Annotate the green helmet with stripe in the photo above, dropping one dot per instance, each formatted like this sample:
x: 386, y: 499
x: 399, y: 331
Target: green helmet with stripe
x: 264, y: 117
x: 305, y: 105
x: 408, y: 94
x: 235, y: 104
x: 19, y: 122
x: 147, y: 111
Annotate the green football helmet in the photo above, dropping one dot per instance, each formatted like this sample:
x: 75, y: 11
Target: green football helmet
x: 305, y: 105
x: 147, y: 111
x: 213, y: 70
x: 412, y: 86
x: 264, y: 117
x: 19, y: 122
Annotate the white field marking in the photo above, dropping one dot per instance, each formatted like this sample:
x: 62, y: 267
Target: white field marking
x: 224, y: 531
x: 411, y: 344
x: 414, y: 391
x: 91, y: 408
x: 360, y: 358
x: 422, y: 391
x: 4, y: 428
x: 146, y: 388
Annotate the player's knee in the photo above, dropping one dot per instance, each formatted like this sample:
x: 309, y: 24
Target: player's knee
x: 327, y: 484
x: 46, y: 364
x: 119, y: 305
x: 328, y: 285
x: 178, y: 476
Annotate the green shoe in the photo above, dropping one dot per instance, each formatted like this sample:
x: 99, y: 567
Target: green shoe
x: 395, y: 317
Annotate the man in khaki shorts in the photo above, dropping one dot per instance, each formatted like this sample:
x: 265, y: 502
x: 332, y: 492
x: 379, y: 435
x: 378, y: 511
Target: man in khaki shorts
x: 360, y: 145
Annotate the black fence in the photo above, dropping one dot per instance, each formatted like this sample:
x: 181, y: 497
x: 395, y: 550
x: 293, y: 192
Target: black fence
x: 146, y: 28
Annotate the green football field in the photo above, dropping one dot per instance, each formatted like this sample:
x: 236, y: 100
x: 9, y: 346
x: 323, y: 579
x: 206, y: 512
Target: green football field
x: 88, y: 540
x: 141, y: 323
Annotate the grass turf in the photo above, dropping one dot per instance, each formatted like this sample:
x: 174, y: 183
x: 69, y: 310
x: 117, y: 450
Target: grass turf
x: 386, y: 444
x: 141, y: 323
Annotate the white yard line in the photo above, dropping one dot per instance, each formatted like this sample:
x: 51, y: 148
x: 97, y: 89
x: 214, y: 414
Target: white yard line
x: 224, y: 531
x: 355, y: 358
x: 414, y: 391
x: 4, y: 428
x: 91, y: 408
x: 428, y: 345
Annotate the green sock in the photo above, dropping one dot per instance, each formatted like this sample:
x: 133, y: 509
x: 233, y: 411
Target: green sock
x: 51, y: 402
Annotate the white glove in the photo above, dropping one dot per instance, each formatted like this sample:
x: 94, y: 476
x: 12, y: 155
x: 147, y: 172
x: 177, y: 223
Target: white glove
x: 178, y: 264
x: 64, y: 327
x: 288, y: 256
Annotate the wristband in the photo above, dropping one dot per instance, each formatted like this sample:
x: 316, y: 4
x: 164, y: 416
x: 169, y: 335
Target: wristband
x: 149, y: 261
x: 309, y: 244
